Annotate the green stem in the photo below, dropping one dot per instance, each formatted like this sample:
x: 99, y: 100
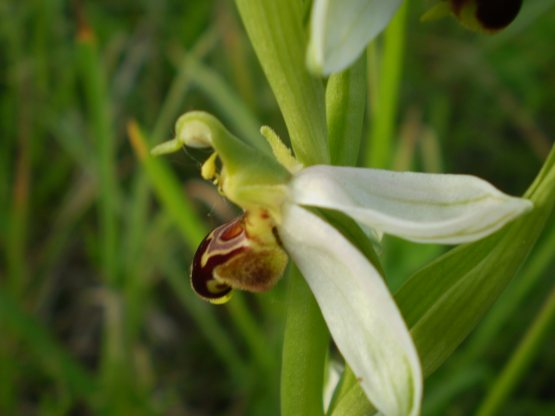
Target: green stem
x: 97, y: 105
x: 345, y: 107
x: 304, y: 352
x: 381, y: 134
x: 276, y: 33
x: 372, y: 66
x: 114, y: 362
x: 521, y: 359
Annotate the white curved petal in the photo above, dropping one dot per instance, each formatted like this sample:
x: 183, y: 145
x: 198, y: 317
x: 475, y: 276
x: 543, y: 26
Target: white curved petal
x: 433, y: 208
x: 360, y: 313
x: 341, y: 29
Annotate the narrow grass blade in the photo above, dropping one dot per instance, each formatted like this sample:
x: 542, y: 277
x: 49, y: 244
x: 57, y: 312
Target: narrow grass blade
x: 53, y: 357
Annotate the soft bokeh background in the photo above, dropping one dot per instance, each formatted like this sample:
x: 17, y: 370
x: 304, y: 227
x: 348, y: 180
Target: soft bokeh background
x: 96, y: 313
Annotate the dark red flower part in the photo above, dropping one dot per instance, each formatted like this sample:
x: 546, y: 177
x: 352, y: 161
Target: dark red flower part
x: 230, y: 258
x: 217, y: 248
x: 493, y: 15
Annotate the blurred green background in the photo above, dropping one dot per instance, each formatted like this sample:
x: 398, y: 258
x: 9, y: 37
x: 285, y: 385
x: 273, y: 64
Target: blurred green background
x: 96, y: 312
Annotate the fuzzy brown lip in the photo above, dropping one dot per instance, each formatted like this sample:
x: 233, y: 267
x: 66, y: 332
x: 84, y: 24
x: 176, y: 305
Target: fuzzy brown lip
x: 203, y: 274
x: 234, y: 256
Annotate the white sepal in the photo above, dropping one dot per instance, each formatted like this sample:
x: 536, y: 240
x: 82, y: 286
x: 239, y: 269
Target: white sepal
x: 360, y: 313
x: 430, y: 208
x: 341, y: 29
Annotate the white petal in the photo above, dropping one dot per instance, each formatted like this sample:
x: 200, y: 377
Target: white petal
x: 433, y: 208
x: 341, y: 29
x: 360, y: 313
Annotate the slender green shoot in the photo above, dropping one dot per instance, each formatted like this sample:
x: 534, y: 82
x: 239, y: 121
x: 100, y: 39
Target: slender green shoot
x: 521, y: 360
x: 382, y: 128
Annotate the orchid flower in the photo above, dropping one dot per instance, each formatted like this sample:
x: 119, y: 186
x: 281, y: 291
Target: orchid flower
x: 280, y: 198
x: 341, y: 29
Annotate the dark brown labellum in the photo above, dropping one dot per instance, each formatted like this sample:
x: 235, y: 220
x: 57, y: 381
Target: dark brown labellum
x: 229, y: 258
x: 497, y: 14
x: 492, y: 15
x: 216, y: 248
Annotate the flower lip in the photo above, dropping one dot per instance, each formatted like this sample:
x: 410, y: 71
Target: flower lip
x: 245, y: 254
x: 223, y: 241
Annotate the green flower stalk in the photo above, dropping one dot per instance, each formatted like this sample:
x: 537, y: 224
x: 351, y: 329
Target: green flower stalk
x: 278, y: 196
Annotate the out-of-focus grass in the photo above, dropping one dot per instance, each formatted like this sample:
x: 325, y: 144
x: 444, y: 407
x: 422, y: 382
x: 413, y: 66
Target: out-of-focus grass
x: 96, y: 313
